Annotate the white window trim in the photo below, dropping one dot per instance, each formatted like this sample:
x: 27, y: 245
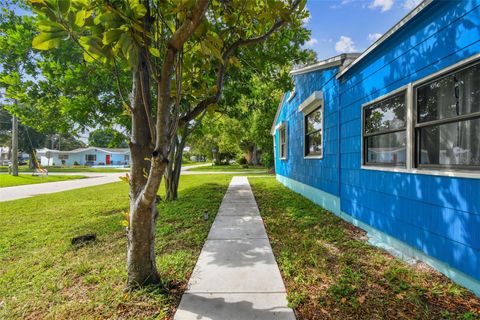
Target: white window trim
x: 410, y: 128
x: 313, y: 102
x: 314, y: 156
x: 280, y: 127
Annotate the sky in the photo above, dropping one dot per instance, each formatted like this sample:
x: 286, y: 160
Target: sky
x: 344, y: 26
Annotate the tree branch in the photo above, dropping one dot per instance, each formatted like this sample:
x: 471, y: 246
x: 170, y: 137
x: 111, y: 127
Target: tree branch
x: 174, y: 45
x: 202, y: 105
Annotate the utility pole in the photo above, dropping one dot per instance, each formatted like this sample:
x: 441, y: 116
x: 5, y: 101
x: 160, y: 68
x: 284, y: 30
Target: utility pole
x: 14, y: 146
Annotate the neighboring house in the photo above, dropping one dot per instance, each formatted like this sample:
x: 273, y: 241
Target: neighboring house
x: 391, y: 141
x: 92, y: 156
x: 4, y: 155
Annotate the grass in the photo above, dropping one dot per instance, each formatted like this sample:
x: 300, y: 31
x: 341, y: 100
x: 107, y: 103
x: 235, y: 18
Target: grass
x: 231, y: 168
x: 43, y: 276
x: 193, y: 163
x: 331, y: 272
x: 7, y: 180
x: 68, y: 169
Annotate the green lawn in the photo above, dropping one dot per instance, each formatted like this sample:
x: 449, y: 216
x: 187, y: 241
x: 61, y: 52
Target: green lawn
x: 331, y: 272
x: 10, y: 181
x: 231, y: 168
x: 69, y: 169
x: 43, y: 276
x: 194, y: 163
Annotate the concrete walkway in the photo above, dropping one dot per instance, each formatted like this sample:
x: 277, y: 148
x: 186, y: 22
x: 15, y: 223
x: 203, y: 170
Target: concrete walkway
x: 236, y: 276
x: 29, y: 190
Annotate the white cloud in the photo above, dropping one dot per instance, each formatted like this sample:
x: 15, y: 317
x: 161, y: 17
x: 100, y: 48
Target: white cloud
x: 345, y: 45
x: 374, y: 36
x: 410, y: 4
x: 311, y: 42
x: 384, y: 5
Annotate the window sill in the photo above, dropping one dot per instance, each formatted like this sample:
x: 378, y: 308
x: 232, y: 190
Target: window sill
x: 317, y: 157
x: 430, y: 172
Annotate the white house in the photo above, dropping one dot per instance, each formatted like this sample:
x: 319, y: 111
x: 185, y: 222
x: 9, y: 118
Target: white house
x: 91, y: 156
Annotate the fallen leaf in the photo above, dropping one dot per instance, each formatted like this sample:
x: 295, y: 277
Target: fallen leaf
x: 361, y: 299
x: 399, y: 296
x: 343, y: 300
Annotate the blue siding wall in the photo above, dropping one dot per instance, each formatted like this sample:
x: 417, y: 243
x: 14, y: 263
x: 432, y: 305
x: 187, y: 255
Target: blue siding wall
x: 322, y: 174
x: 437, y: 215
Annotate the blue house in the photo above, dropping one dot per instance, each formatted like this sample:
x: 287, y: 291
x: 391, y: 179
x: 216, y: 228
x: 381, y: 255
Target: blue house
x: 91, y: 156
x: 389, y: 140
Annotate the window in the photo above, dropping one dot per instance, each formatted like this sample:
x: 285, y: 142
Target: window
x: 314, y: 133
x: 126, y: 157
x: 283, y: 142
x: 384, y: 132
x: 447, y: 128
x: 90, y: 157
x: 63, y: 156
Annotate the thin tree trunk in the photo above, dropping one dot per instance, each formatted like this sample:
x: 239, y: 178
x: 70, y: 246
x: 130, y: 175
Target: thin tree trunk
x: 14, y: 146
x: 172, y: 174
x: 33, y: 162
x: 169, y: 174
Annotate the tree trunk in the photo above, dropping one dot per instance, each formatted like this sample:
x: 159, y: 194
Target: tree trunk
x: 174, y: 169
x: 141, y: 266
x: 14, y: 146
x: 33, y: 157
x: 249, y: 154
x: 169, y: 174
x: 254, y: 155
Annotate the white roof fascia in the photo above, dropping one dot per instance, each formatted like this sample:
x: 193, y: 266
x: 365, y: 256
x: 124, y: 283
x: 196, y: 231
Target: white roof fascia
x: 325, y: 64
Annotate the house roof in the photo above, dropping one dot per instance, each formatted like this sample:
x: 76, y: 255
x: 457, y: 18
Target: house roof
x: 79, y: 150
x: 387, y: 35
x: 342, y: 59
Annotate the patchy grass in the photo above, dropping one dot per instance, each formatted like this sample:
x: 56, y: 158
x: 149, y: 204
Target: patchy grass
x: 10, y: 181
x: 231, y: 168
x: 43, y: 276
x: 331, y: 272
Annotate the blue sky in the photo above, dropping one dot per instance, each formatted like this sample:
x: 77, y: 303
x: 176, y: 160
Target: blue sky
x: 342, y: 26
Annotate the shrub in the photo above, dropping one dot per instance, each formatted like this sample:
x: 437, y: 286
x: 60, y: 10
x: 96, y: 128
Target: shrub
x: 76, y: 163
x: 267, y: 160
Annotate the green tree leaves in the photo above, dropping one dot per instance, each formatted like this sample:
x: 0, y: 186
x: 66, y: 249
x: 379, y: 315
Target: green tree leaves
x: 48, y: 40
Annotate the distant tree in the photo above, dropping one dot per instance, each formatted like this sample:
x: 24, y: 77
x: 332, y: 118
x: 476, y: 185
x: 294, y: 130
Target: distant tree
x: 107, y: 138
x: 56, y: 91
x: 67, y: 142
